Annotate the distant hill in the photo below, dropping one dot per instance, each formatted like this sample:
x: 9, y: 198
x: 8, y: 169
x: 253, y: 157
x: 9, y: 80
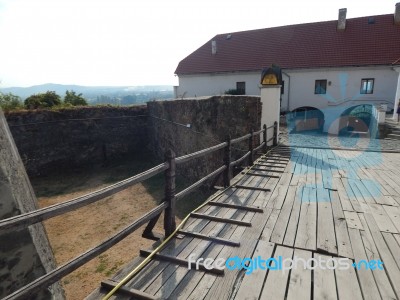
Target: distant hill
x: 99, y: 94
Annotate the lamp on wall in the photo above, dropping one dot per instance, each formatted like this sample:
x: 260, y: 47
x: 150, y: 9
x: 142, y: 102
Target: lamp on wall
x: 271, y: 76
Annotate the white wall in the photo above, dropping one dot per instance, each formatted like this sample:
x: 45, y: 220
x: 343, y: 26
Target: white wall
x: 344, y: 88
x: 217, y: 84
x: 299, y: 86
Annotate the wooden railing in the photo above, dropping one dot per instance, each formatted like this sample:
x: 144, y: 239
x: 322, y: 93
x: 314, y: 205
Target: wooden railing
x: 168, y: 204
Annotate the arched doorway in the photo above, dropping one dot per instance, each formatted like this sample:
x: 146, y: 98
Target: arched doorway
x: 307, y: 118
x: 356, y: 119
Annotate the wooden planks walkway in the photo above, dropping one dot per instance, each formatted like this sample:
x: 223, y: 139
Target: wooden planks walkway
x: 302, y: 204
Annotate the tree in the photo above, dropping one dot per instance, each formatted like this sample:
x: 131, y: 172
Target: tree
x: 43, y: 100
x: 10, y: 102
x: 76, y: 100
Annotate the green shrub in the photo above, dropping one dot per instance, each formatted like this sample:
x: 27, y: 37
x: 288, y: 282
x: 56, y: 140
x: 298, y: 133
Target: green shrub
x: 10, y: 102
x: 43, y: 100
x: 75, y: 100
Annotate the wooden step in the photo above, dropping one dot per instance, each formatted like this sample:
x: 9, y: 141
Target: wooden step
x: 221, y: 220
x: 182, y: 262
x: 236, y: 206
x: 210, y: 238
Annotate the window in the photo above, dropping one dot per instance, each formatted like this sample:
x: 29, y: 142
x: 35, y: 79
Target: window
x: 320, y: 86
x: 282, y: 87
x: 367, y: 86
x: 241, y: 88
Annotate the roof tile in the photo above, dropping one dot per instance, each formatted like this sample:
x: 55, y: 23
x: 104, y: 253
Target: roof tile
x: 311, y: 45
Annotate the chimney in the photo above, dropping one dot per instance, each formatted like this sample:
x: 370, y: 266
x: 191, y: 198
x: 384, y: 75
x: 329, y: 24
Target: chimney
x: 341, y: 25
x: 214, y: 47
x: 397, y: 14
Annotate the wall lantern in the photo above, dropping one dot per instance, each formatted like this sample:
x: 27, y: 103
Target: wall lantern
x: 271, y: 76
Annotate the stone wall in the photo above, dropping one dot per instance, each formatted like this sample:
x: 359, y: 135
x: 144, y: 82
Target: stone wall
x: 56, y: 141
x: 189, y: 125
x: 24, y: 254
x: 60, y: 141
x: 50, y: 141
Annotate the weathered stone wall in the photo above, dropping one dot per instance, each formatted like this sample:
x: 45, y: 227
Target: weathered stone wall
x: 59, y: 141
x: 24, y: 254
x: 56, y: 141
x: 211, y: 120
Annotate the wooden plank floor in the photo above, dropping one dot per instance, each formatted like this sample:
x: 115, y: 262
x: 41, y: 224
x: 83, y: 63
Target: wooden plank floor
x: 322, y: 204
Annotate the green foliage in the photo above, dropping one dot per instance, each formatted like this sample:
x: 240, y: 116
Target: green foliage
x: 43, y: 100
x: 75, y: 100
x: 10, y: 102
x: 232, y: 92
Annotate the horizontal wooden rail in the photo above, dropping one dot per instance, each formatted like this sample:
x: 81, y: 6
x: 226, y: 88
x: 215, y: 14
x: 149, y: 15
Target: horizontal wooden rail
x: 259, y: 147
x: 45, y: 213
x: 56, y: 274
x: 238, y: 161
x: 258, y: 132
x: 188, y: 157
x: 198, y: 183
x: 27, y: 219
x: 239, y: 139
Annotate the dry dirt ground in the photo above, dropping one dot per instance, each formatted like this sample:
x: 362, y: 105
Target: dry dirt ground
x: 76, y: 232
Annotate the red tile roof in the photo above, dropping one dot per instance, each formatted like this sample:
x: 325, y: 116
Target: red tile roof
x: 311, y: 45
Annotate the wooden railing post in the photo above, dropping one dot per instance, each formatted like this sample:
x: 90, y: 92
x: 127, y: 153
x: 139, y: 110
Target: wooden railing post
x: 227, y: 162
x: 170, y: 211
x: 251, y: 148
x: 265, y: 138
x: 275, y: 133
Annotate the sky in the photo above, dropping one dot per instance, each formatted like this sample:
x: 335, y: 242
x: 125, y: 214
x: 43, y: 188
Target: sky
x: 136, y: 42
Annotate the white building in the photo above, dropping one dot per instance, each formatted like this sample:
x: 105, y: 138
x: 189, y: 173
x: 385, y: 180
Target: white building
x: 325, y: 65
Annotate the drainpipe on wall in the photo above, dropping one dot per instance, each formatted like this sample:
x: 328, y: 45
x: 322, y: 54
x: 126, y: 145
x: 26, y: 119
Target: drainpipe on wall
x: 397, y: 97
x: 288, y: 97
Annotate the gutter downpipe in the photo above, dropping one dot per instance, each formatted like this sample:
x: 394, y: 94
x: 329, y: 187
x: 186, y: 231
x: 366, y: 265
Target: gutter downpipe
x: 288, y: 100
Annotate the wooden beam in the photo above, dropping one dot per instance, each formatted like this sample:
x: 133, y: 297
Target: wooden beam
x: 182, y: 262
x: 148, y: 231
x: 195, y: 185
x: 270, y: 165
x: 191, y: 156
x: 219, y: 219
x: 239, y: 139
x: 56, y: 274
x: 110, y: 284
x: 210, y: 238
x: 245, y: 187
x: 242, y: 207
x: 275, y: 158
x: 273, y: 162
x: 45, y: 213
x: 238, y: 161
x: 260, y: 175
x: 267, y: 170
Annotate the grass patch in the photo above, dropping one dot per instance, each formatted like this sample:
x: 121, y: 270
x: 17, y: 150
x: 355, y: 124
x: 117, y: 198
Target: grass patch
x: 102, y: 266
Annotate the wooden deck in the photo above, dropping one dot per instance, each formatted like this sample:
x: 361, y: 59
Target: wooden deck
x: 318, y: 204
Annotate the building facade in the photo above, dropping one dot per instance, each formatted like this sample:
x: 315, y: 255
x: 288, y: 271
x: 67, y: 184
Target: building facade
x: 332, y: 64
